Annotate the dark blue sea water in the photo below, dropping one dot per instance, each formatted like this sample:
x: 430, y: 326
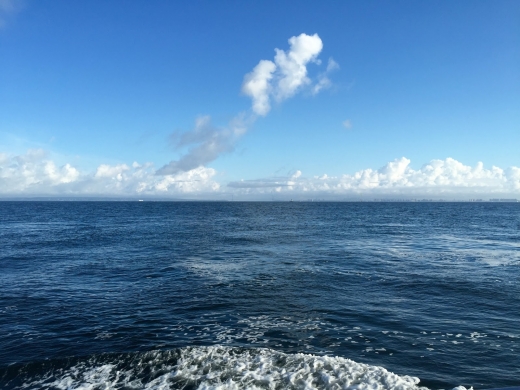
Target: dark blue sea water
x: 259, y: 295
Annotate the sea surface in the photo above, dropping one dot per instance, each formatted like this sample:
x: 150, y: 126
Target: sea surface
x: 282, y: 295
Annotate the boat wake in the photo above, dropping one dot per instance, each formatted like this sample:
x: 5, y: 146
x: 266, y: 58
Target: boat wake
x: 214, y: 367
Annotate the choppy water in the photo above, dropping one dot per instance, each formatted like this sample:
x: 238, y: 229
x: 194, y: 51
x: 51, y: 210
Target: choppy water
x: 259, y: 295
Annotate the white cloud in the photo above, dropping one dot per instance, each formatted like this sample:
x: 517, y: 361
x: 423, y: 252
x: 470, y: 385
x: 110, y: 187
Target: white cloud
x: 296, y: 174
x: 439, y: 178
x: 284, y: 77
x: 116, y: 171
x: 35, y: 174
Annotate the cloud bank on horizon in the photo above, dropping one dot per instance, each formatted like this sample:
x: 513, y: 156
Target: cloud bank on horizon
x: 35, y: 174
x: 278, y: 80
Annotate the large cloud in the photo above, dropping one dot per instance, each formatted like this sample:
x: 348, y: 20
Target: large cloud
x: 35, y: 174
x: 280, y: 80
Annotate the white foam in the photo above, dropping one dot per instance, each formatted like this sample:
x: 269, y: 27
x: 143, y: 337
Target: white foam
x: 225, y: 368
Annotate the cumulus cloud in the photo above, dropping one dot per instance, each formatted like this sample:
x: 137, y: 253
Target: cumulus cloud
x: 438, y: 178
x: 287, y: 74
x: 35, y: 174
x: 32, y: 170
x: 292, y: 65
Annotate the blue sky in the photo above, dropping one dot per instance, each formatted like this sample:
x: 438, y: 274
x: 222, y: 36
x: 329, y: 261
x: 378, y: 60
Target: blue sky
x: 93, y: 84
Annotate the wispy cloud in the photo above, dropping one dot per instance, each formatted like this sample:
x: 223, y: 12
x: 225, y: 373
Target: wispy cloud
x: 347, y: 124
x: 205, y: 142
x: 272, y: 182
x: 323, y: 78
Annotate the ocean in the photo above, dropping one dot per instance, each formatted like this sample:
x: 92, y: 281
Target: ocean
x: 254, y: 295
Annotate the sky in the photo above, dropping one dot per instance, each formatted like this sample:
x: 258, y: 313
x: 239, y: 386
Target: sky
x: 260, y: 100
